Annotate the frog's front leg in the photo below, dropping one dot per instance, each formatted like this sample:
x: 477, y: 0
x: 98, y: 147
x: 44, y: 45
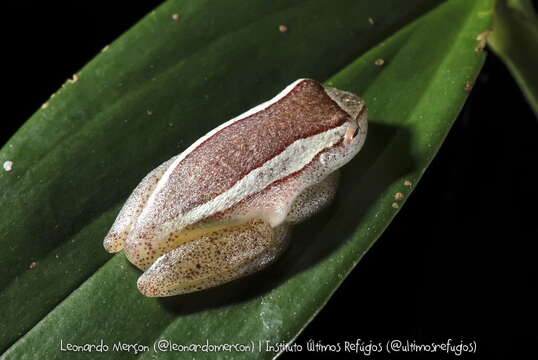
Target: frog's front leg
x: 214, y: 259
x: 115, y: 239
x: 313, y: 199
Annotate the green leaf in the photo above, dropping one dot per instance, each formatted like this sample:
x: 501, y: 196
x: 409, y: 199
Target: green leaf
x: 165, y: 83
x: 515, y: 40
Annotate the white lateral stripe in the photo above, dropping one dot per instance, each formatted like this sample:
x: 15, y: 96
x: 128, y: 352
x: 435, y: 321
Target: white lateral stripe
x: 262, y: 106
x: 294, y: 158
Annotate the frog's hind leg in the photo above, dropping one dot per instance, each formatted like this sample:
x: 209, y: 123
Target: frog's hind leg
x: 214, y: 259
x: 313, y: 199
x: 115, y: 239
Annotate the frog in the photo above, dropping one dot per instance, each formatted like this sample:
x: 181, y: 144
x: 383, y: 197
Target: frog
x: 224, y: 207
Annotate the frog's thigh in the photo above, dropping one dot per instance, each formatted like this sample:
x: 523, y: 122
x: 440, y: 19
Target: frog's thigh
x: 115, y: 239
x: 214, y: 259
x: 313, y: 199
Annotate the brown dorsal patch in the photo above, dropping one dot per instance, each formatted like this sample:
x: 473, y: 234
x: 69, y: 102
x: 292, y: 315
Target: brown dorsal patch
x: 231, y: 153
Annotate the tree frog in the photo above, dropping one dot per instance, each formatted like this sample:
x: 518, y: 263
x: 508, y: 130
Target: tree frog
x: 222, y: 209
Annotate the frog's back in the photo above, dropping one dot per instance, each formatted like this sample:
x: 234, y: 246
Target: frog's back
x: 197, y: 182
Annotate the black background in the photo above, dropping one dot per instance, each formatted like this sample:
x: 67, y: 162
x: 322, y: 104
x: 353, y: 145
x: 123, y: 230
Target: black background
x: 459, y: 260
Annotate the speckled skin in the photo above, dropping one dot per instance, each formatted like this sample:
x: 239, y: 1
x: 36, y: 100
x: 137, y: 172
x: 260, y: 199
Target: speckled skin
x: 222, y: 208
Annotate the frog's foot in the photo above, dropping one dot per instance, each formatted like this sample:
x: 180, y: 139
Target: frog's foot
x: 115, y: 239
x: 214, y: 259
x: 313, y: 199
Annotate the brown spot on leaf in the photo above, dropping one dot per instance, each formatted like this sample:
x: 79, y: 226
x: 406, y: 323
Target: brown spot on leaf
x: 74, y: 79
x: 482, y: 39
x: 468, y: 86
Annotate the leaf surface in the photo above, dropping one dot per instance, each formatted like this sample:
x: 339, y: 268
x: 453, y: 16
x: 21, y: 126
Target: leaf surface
x: 515, y: 40
x: 157, y: 89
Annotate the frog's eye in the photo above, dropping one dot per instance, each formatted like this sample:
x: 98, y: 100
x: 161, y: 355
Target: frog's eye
x: 350, y: 134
